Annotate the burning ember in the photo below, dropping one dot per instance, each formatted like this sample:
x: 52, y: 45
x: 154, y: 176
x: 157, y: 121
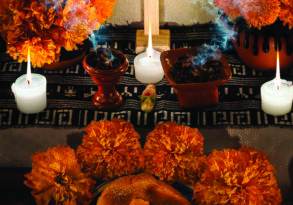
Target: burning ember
x: 104, y: 59
x: 186, y: 70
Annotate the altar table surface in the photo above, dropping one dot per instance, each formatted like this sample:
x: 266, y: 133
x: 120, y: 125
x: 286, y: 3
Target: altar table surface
x: 236, y: 121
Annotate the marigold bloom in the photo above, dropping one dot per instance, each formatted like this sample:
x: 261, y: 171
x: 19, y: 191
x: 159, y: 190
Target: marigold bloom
x: 259, y: 13
x: 42, y: 50
x: 78, y: 23
x: 59, y: 23
x: 104, y: 8
x: 237, y: 177
x: 110, y: 149
x: 286, y: 13
x: 174, y: 152
x: 228, y: 7
x: 56, y: 177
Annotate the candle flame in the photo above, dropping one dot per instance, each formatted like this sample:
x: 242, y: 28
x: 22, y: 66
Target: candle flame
x: 278, y: 73
x: 150, y: 41
x: 28, y: 68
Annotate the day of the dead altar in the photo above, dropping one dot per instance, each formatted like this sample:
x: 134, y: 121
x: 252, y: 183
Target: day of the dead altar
x: 215, y: 130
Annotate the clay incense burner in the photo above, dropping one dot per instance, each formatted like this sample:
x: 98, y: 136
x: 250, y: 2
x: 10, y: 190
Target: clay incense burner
x: 194, y: 94
x: 106, y: 67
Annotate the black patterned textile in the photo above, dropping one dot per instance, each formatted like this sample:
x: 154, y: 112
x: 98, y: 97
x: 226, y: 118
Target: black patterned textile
x: 70, y: 91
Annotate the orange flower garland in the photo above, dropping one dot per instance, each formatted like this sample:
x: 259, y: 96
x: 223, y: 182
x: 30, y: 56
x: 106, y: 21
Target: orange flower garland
x: 56, y: 177
x: 46, y: 26
x: 174, y: 152
x: 110, y: 149
x: 237, y: 177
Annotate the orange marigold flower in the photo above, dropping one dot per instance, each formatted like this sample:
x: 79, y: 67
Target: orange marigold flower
x: 237, y: 177
x: 78, y: 23
x: 110, y: 149
x: 75, y: 37
x: 56, y: 177
x: 286, y: 13
x: 104, y: 8
x: 62, y: 23
x: 228, y: 7
x: 42, y: 51
x: 259, y: 13
x: 174, y: 152
x: 4, y: 16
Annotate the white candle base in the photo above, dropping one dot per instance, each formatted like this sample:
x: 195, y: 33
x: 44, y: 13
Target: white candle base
x: 148, y: 69
x: 30, y: 98
x: 276, y: 102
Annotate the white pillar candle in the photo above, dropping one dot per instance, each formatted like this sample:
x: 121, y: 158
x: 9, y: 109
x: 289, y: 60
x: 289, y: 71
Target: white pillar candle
x: 30, y: 91
x: 147, y: 65
x: 277, y: 95
x: 275, y: 100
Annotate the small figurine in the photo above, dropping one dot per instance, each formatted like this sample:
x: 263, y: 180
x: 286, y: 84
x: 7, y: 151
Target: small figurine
x: 148, y: 98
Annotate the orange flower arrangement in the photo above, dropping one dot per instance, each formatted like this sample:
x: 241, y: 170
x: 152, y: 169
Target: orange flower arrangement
x: 237, y: 177
x: 56, y: 177
x: 46, y: 26
x: 110, y: 149
x: 258, y: 13
x: 174, y: 152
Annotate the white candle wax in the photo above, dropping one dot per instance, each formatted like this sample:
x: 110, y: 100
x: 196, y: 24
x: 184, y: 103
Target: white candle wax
x: 277, y: 100
x: 148, y: 69
x: 30, y: 97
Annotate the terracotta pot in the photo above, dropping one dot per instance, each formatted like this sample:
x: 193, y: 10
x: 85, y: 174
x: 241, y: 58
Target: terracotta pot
x: 194, y: 95
x: 258, y: 48
x: 107, y: 97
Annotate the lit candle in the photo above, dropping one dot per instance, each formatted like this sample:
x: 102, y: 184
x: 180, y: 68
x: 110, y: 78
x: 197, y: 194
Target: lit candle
x: 30, y: 91
x: 147, y: 65
x: 277, y: 94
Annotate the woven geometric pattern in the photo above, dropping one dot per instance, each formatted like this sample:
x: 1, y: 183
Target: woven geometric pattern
x: 70, y: 91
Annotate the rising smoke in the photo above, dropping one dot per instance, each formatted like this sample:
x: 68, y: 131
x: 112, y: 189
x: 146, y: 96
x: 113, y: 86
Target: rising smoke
x: 220, y: 40
x: 97, y: 37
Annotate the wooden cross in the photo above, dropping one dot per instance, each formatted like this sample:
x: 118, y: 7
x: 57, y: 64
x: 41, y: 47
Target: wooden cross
x: 161, y: 38
x: 151, y: 17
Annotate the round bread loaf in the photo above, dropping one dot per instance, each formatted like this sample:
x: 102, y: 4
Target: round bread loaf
x: 142, y: 189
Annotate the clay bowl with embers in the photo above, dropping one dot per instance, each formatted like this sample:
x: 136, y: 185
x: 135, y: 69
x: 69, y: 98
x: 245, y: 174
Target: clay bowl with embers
x: 106, y: 77
x: 194, y: 94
